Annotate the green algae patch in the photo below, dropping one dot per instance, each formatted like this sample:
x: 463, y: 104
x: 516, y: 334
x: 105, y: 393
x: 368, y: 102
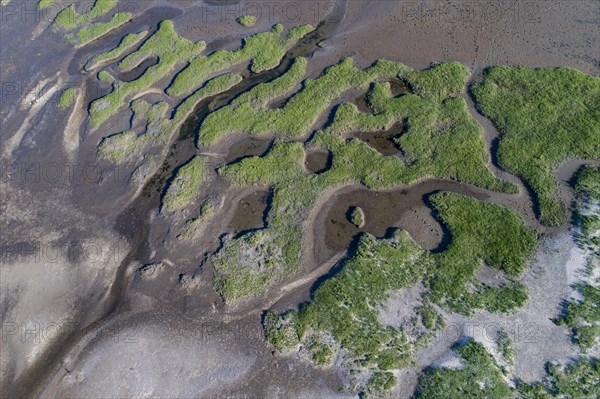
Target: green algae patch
x: 545, y: 116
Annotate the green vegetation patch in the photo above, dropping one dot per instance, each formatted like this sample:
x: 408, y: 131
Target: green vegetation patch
x: 247, y: 20
x: 441, y: 129
x: 357, y: 216
x: 126, y: 44
x: 281, y: 331
x: 505, y: 347
x: 583, y: 316
x: 185, y: 186
x: 580, y: 379
x: 45, y: 3
x: 295, y: 191
x: 478, y: 377
x: 193, y: 227
x: 97, y: 30
x: 105, y: 77
x: 168, y: 47
x: 545, y: 116
x: 380, y: 384
x: 481, y: 232
x: 264, y: 50
x: 588, y: 190
x: 345, y: 307
x: 588, y: 182
x: 301, y: 111
x: 321, y: 353
x: 247, y: 266
x: 68, y: 18
x: 130, y: 145
x: 577, y: 380
x: 67, y: 98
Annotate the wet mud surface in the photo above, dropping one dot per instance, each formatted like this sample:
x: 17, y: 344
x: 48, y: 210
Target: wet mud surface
x: 247, y: 147
x: 318, y: 161
x: 138, y: 71
x: 384, y: 142
x: 405, y: 208
x: 250, y: 212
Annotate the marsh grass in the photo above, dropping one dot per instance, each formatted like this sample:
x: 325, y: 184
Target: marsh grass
x: 301, y: 111
x: 67, y: 98
x: 185, y: 186
x: 105, y: 77
x: 45, y: 3
x: 579, y: 379
x: 96, y: 30
x: 505, y: 347
x: 69, y: 19
x: 193, y: 227
x: 247, y: 21
x: 263, y: 50
x: 125, y: 45
x: 588, y: 182
x: 357, y: 217
x: 296, y: 191
x: 345, y: 306
x: 168, y: 47
x: 481, y: 232
x: 131, y: 145
x: 583, y: 315
x: 478, y: 377
x: 545, y: 116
